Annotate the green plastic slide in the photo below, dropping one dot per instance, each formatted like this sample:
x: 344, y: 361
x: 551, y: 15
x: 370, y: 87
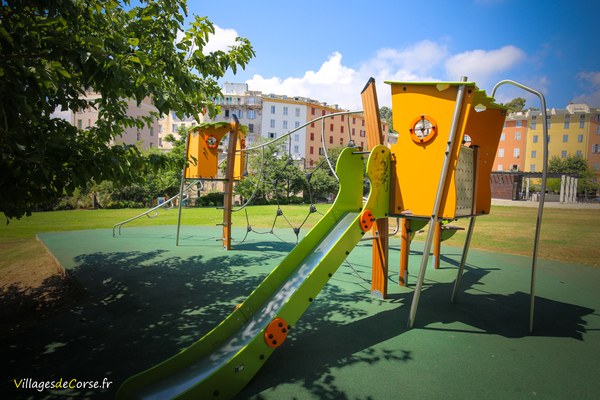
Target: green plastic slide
x: 222, y: 362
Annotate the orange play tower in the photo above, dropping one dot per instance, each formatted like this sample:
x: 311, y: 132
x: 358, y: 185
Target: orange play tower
x: 202, y: 161
x: 448, y: 133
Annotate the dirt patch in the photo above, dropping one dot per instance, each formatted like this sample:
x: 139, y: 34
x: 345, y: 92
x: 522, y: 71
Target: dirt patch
x: 31, y: 289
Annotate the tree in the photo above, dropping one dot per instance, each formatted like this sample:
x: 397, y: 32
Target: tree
x: 516, y: 104
x: 52, y: 52
x: 573, y: 165
x: 386, y: 114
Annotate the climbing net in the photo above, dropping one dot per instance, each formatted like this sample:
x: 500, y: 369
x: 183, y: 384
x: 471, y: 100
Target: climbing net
x: 280, y: 214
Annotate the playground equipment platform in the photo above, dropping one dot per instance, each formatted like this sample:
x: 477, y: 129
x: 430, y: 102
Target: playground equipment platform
x: 146, y: 299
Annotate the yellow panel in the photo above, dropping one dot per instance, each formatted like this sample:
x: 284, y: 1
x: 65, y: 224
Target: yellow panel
x: 204, y: 147
x: 240, y: 157
x: 485, y: 129
x: 191, y: 170
x: 418, y: 165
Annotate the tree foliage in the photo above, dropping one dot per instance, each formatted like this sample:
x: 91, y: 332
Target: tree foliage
x: 573, y: 164
x: 385, y: 114
x: 516, y: 104
x: 52, y: 52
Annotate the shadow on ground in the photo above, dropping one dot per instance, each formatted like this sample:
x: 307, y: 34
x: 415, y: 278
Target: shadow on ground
x: 140, y: 308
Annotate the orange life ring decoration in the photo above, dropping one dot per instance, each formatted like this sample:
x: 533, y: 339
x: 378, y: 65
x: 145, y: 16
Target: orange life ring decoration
x: 423, y: 129
x: 212, y: 142
x: 276, y: 332
x: 366, y: 220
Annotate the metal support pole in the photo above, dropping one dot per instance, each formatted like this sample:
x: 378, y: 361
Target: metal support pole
x: 187, y: 149
x: 463, y: 260
x: 538, y: 223
x: 438, y: 201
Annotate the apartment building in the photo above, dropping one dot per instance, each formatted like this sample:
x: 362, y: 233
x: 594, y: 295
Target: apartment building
x: 510, y: 155
x: 245, y: 104
x: 146, y: 137
x: 170, y: 124
x: 568, y: 134
x: 272, y: 116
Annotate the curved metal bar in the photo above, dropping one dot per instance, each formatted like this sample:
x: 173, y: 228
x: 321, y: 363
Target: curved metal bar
x: 542, y: 195
x: 300, y: 127
x: 153, y: 209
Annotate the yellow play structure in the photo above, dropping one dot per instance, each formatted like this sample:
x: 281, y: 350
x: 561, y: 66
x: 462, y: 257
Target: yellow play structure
x: 202, y: 162
x: 448, y: 135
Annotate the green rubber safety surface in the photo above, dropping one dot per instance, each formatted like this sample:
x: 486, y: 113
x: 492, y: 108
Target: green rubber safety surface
x: 145, y: 299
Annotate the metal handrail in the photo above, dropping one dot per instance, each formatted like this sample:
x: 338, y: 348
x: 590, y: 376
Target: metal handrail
x: 154, y: 209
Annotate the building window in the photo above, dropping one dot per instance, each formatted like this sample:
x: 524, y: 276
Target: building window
x: 240, y: 114
x: 596, y: 148
x: 174, y: 128
x: 160, y: 142
x: 272, y: 109
x: 502, y: 137
x: 353, y: 132
x: 226, y: 112
x: 285, y: 111
x: 322, y: 113
x: 354, y: 120
x: 535, y: 138
x: 532, y: 168
x: 500, y: 153
x: 321, y: 152
x: 251, y: 128
x: 579, y: 138
x: 500, y: 167
x: 331, y: 127
x: 296, y: 138
x: 285, y: 124
x: 312, y: 150
x: 597, y: 129
x: 138, y: 136
x: 533, y: 154
x: 582, y: 120
x: 272, y: 135
x: 565, y: 138
x: 362, y: 133
x: 596, y: 167
x: 296, y: 149
x: 519, y: 123
x: 516, y: 152
x: 312, y: 136
x: 312, y: 111
x: 517, y: 135
x: 342, y: 128
x: 272, y: 123
x: 567, y: 122
x: 578, y: 153
x: 297, y: 111
x: 151, y: 131
x: 251, y: 114
x: 533, y: 121
x: 297, y: 124
x: 79, y: 124
x: 330, y: 139
x: 563, y: 154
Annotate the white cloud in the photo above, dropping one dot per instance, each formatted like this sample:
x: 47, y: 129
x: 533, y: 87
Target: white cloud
x: 480, y: 65
x: 222, y: 39
x: 590, y: 82
x: 336, y: 83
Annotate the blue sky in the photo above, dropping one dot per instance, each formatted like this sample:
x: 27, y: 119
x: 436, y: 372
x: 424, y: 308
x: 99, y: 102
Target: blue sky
x: 327, y: 50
